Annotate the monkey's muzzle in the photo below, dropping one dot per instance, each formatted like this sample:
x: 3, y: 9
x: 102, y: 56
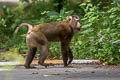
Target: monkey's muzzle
x: 78, y: 29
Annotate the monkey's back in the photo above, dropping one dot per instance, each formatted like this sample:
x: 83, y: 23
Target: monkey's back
x: 53, y: 31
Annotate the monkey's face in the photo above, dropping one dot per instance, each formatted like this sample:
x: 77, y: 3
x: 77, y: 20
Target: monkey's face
x: 74, y: 22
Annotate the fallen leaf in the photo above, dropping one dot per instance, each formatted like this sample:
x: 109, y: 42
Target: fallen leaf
x: 49, y: 75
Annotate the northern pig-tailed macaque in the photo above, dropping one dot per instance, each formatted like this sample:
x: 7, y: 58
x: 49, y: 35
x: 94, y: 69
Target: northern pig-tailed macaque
x: 39, y: 35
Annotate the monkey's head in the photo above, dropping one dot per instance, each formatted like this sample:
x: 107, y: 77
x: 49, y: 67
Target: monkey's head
x: 74, y: 22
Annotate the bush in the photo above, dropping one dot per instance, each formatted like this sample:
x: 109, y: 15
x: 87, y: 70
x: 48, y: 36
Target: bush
x: 100, y: 35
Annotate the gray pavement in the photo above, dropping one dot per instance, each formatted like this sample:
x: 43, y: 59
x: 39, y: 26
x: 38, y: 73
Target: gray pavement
x: 9, y: 3
x: 58, y: 72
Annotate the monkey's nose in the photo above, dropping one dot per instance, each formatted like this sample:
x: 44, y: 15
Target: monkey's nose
x: 78, y: 26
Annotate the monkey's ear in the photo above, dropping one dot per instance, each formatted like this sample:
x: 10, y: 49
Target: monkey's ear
x: 69, y: 18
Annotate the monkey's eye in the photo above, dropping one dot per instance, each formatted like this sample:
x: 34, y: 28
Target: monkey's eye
x: 76, y: 18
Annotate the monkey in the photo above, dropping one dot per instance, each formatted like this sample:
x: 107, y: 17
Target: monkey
x: 39, y: 35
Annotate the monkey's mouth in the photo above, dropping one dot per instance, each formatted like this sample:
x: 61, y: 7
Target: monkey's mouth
x: 78, y: 29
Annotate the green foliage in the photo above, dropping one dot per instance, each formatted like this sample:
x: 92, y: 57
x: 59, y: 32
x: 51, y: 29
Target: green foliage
x: 11, y: 55
x: 54, y: 50
x: 99, y: 37
x: 100, y: 31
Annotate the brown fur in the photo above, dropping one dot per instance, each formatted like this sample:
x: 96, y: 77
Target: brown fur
x: 39, y: 35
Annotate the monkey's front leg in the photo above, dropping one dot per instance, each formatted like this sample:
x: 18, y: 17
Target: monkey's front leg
x: 70, y: 56
x: 64, y: 50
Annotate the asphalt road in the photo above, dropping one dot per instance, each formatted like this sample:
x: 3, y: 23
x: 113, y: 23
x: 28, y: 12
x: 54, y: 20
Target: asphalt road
x: 58, y: 72
x: 8, y: 3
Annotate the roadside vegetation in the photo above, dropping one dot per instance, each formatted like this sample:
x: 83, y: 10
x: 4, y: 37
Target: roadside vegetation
x: 99, y: 37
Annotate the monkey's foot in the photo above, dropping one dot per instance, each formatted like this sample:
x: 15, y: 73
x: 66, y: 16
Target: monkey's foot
x: 68, y: 66
x: 65, y: 65
x: 43, y: 64
x: 29, y: 67
x: 46, y: 65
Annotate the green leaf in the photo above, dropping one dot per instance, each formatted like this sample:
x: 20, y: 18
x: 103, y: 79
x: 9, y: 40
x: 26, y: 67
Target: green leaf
x: 52, y: 13
x: 118, y: 3
x: 106, y: 22
x: 87, y: 25
x: 116, y: 42
x: 87, y: 31
x: 62, y: 12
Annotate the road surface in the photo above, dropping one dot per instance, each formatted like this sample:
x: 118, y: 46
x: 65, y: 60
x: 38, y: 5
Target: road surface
x: 58, y: 72
x: 8, y: 2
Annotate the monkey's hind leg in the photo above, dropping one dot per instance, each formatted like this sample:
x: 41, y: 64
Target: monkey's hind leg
x: 43, y: 45
x: 64, y: 50
x: 43, y: 55
x: 30, y: 56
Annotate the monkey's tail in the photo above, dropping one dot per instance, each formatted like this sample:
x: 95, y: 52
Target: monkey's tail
x: 22, y: 24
